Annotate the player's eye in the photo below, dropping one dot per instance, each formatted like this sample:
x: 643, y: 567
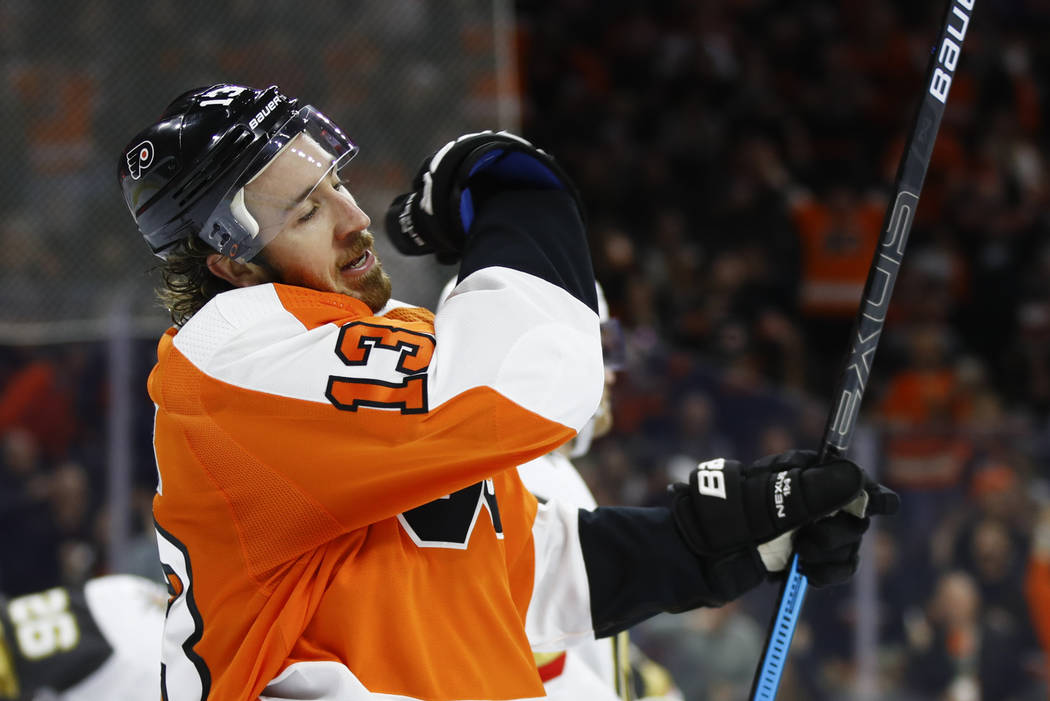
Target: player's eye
x: 310, y: 214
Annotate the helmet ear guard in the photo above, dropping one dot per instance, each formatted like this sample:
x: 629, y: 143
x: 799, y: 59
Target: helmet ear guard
x: 231, y: 230
x: 185, y: 175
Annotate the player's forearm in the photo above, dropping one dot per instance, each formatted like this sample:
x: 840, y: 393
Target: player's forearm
x: 599, y: 572
x: 538, y: 232
x: 638, y: 565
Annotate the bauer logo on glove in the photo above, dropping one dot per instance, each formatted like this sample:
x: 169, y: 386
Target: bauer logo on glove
x: 710, y: 481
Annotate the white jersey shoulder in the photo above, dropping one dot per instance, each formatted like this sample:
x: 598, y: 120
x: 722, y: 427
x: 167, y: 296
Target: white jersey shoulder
x: 246, y: 338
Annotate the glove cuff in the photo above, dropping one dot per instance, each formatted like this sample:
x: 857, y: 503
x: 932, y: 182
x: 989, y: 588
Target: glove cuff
x: 734, y: 574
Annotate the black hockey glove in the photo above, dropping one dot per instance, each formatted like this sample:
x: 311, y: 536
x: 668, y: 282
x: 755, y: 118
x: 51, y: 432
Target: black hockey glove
x: 435, y: 217
x: 829, y: 548
x: 729, y: 507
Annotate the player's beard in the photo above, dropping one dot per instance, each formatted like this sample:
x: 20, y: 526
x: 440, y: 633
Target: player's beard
x: 373, y: 288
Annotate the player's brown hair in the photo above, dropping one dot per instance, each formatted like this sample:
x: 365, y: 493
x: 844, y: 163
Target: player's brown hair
x: 188, y: 284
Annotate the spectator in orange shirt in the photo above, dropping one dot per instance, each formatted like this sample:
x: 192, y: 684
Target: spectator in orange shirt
x: 837, y: 233
x: 1037, y: 585
x: 37, y: 399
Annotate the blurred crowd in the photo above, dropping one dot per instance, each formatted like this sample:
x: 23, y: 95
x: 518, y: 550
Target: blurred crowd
x: 79, y: 77
x: 734, y: 157
x: 55, y: 450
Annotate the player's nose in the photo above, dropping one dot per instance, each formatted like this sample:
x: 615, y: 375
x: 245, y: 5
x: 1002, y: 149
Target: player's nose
x: 352, y: 219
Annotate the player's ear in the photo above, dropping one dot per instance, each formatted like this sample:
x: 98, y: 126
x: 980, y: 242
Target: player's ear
x: 236, y: 273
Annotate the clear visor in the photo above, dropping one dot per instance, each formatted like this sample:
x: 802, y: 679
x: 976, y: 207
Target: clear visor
x: 311, y: 149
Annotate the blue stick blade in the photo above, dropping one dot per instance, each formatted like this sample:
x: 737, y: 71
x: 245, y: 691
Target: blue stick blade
x: 768, y: 680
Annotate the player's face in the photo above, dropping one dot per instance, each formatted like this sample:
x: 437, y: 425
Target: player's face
x: 322, y: 239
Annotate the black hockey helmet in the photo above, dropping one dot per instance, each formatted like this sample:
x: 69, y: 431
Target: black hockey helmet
x: 185, y: 175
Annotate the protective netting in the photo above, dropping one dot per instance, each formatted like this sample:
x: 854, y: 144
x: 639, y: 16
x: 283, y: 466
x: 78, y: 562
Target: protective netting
x: 82, y: 77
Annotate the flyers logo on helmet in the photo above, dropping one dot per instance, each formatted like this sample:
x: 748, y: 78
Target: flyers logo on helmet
x: 139, y: 159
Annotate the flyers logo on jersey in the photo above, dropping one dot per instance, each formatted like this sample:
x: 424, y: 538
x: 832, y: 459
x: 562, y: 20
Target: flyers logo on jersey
x: 448, y: 522
x: 139, y: 159
x: 358, y: 345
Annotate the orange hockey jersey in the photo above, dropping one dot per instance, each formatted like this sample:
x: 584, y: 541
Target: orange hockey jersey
x: 335, y: 512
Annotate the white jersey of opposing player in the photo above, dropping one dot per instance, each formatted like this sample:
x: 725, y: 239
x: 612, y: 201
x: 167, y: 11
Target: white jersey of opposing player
x: 590, y: 668
x: 129, y: 612
x: 103, y: 642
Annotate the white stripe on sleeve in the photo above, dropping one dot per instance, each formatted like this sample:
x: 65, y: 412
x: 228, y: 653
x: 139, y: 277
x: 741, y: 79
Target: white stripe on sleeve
x: 529, y: 340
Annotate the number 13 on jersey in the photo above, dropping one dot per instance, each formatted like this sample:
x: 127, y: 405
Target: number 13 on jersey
x: 358, y: 346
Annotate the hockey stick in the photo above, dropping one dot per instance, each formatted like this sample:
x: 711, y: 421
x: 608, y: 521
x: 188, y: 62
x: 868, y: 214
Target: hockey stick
x: 871, y: 316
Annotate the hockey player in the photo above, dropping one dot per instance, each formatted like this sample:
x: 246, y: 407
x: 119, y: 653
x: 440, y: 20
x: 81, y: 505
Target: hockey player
x: 599, y: 670
x: 335, y: 507
x: 87, y: 643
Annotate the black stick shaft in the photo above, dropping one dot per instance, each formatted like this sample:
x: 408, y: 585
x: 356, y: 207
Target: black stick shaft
x: 897, y: 224
x: 871, y: 316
